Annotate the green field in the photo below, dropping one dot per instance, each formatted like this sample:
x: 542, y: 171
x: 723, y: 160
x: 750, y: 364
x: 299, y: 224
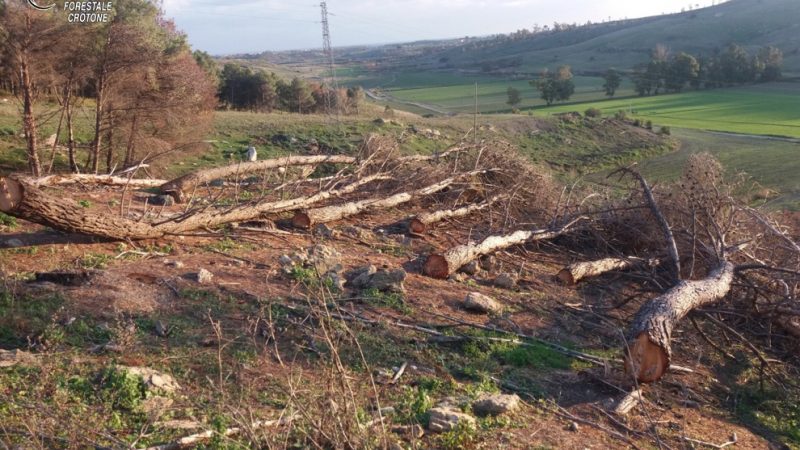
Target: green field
x: 766, y: 109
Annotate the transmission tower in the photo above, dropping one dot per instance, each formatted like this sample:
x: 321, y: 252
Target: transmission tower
x: 328, y: 50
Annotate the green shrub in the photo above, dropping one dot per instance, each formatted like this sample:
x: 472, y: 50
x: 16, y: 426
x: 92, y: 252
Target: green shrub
x: 593, y: 112
x: 621, y: 115
x: 649, y: 124
x: 637, y: 123
x: 665, y: 131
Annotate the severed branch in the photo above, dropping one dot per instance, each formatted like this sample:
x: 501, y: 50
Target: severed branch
x: 445, y: 264
x: 576, y: 272
x: 106, y: 180
x: 672, y: 247
x: 419, y: 224
x: 196, y: 439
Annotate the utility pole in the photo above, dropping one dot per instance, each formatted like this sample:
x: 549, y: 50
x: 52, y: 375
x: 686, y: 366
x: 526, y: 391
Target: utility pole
x: 328, y: 50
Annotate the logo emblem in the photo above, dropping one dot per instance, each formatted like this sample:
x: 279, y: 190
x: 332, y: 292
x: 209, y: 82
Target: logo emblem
x: 40, y: 8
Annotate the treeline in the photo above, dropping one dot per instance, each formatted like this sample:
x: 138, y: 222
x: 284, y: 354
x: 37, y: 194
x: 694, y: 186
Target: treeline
x: 673, y: 72
x: 242, y: 88
x: 150, y: 96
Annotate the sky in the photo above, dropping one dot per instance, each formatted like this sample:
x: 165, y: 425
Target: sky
x: 223, y: 27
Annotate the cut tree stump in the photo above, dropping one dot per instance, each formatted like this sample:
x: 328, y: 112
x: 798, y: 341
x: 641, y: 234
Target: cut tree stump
x: 648, y: 351
x: 181, y: 188
x: 419, y: 224
x: 576, y: 272
x: 445, y: 264
x: 311, y: 217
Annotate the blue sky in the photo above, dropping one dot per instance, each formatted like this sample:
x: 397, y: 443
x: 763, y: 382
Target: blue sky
x: 251, y: 26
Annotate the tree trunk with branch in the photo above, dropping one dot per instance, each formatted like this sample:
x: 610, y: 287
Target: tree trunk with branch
x: 648, y: 351
x: 445, y: 264
x: 419, y: 224
x: 181, y: 188
x: 576, y: 272
x: 307, y: 219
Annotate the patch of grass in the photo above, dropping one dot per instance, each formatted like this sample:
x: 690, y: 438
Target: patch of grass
x: 532, y: 355
x: 7, y: 221
x: 227, y: 245
x: 25, y: 319
x: 95, y: 261
x: 773, y: 409
x: 382, y: 299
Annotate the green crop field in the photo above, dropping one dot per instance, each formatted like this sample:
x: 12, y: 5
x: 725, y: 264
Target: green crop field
x: 767, y: 109
x: 456, y: 94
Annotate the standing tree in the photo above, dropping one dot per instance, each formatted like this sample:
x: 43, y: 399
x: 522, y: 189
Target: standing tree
x: 612, y: 82
x: 682, y: 69
x: 355, y: 95
x: 770, y: 60
x: 514, y: 97
x: 30, y: 47
x: 556, y: 86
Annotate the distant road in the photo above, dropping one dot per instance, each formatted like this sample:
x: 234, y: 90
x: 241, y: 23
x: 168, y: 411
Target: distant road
x: 389, y: 98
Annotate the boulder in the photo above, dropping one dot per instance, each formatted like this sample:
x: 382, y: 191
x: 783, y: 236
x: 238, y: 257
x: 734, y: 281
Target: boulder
x: 154, y: 381
x: 505, y: 281
x: 324, y: 259
x: 446, y: 419
x: 493, y: 405
x: 480, y: 303
x: 388, y: 280
x: 204, y: 277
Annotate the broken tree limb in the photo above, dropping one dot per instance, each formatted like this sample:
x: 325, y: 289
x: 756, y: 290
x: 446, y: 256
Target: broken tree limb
x: 576, y: 272
x: 196, y: 439
x: 106, y: 180
x: 27, y: 202
x: 311, y: 217
x: 179, y: 187
x: 627, y: 403
x: 419, y: 224
x: 445, y: 264
x: 648, y: 352
x: 435, y: 156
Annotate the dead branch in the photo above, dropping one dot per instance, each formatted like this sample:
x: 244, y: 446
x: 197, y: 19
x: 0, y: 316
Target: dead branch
x: 179, y: 187
x: 672, y: 246
x: 445, y: 264
x: 196, y: 439
x: 627, y: 403
x: 576, y: 272
x: 309, y: 218
x: 648, y: 351
x: 419, y: 224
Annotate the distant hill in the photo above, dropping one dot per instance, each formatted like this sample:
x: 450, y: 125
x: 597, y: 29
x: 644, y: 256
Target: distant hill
x: 622, y: 44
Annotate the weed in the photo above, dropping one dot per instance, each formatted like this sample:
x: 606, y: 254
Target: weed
x: 532, y: 354
x: 121, y: 389
x: 460, y: 437
x: 95, y: 261
x: 391, y: 300
x: 85, y: 203
x: 7, y: 221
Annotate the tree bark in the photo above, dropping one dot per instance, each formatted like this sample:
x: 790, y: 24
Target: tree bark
x: 445, y: 264
x: 73, y: 166
x: 307, y: 219
x: 419, y: 224
x: 576, y: 272
x: 27, y: 202
x: 61, y: 180
x: 180, y: 187
x: 648, y: 351
x: 28, y: 117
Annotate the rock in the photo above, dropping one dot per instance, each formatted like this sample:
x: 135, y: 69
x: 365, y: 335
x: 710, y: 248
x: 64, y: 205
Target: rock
x: 334, y: 281
x: 217, y: 183
x: 388, y: 280
x: 324, y: 259
x: 9, y: 358
x: 359, y: 278
x: 410, y: 431
x: 175, y: 264
x: 162, y: 330
x: 153, y: 380
x: 458, y: 277
x: 574, y: 427
x: 387, y: 411
x: 494, y: 405
x: 285, y: 260
x: 204, y: 276
x: 505, y: 281
x: 15, y: 243
x: 478, y: 302
x: 161, y: 200
x: 323, y: 230
x: 471, y: 269
x: 445, y: 419
x: 488, y: 263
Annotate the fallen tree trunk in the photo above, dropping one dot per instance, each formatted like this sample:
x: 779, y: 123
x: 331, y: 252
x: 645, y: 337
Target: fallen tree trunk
x: 32, y: 204
x: 107, y: 180
x: 419, y: 224
x: 576, y: 272
x: 309, y: 218
x: 648, y: 351
x: 180, y: 187
x: 445, y: 264
x: 197, y: 439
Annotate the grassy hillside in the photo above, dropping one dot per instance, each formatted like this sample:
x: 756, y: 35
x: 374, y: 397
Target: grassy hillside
x: 752, y: 23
